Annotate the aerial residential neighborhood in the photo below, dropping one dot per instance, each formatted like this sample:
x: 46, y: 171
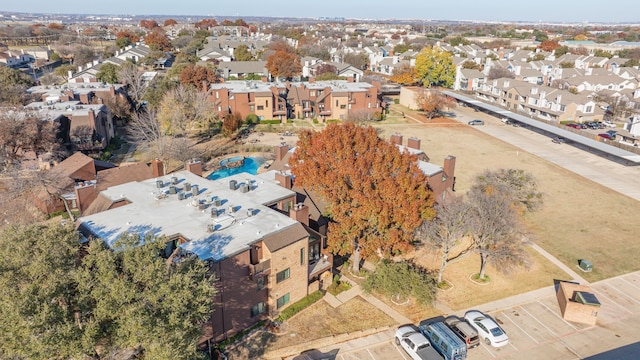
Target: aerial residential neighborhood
x: 369, y: 185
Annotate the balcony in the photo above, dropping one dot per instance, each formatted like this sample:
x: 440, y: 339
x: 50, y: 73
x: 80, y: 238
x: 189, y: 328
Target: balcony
x: 318, y: 266
x: 261, y: 268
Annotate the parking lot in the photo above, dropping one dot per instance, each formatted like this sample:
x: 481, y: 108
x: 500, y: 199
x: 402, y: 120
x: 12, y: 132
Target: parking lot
x: 537, y: 331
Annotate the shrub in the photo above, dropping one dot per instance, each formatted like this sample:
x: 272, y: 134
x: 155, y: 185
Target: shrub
x: 252, y: 119
x: 272, y: 122
x: 315, y: 121
x: 299, y: 305
x: 333, y: 121
x: 403, y: 279
x: 396, y: 101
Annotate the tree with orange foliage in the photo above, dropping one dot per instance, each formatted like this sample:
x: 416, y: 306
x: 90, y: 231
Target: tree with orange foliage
x: 149, y: 24
x: 549, y: 45
x: 376, y: 195
x: 432, y: 102
x: 404, y: 75
x: 197, y: 75
x: 231, y: 123
x: 158, y: 41
x: 284, y: 64
x: 169, y: 22
x: 204, y: 24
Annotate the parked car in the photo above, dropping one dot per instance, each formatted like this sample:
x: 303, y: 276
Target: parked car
x: 464, y: 331
x: 506, y: 121
x: 557, y: 140
x: 448, y: 344
x: 476, y: 122
x: 609, y: 124
x: 607, y: 136
x: 488, y: 329
x: 415, y: 343
x: 572, y: 125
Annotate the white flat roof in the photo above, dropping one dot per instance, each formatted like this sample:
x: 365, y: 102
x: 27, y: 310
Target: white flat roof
x: 153, y: 210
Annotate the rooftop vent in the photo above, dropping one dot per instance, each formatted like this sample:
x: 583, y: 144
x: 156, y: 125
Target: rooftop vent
x: 233, y: 184
x: 187, y: 186
x: 159, y: 183
x: 217, y: 201
x: 194, y: 190
x: 244, y: 188
x: 174, y: 180
x: 214, y: 212
x: 172, y: 190
x: 250, y: 212
x: 180, y: 196
x: 211, y: 228
x: 232, y: 209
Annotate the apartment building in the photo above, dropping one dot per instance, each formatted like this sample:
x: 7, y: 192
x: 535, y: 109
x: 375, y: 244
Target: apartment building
x: 335, y: 99
x: 248, y: 227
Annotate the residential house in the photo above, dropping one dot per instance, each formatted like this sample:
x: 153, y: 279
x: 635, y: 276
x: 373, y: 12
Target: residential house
x: 249, y: 229
x: 468, y: 79
x: 241, y: 69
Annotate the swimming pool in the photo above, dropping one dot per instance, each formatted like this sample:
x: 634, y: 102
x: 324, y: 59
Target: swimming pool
x: 251, y: 166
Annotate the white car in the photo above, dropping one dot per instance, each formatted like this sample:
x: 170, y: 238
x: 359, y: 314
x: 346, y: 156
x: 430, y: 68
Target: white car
x: 491, y: 332
x: 609, y: 124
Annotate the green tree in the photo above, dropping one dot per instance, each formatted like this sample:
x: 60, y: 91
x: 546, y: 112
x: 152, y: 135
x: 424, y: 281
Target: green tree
x: 108, y: 73
x: 434, y: 67
x: 561, y: 50
x: 13, y: 84
x: 401, y: 280
x: 363, y: 178
x: 63, y: 71
x: 242, y: 53
x: 39, y: 297
x: 133, y: 298
x: 55, y: 306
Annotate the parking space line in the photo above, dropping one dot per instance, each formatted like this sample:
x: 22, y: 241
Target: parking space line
x: 558, y: 316
x: 487, y: 348
x: 630, y: 283
x: 539, y: 322
x: 623, y: 293
x: 399, y: 350
x: 615, y: 303
x: 521, y: 329
x: 370, y: 354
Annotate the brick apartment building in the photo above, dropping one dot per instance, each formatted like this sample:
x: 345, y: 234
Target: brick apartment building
x: 248, y: 227
x: 335, y: 99
x: 441, y: 179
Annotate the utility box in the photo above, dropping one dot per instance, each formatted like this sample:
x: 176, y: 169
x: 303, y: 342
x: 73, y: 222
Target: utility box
x: 585, y: 265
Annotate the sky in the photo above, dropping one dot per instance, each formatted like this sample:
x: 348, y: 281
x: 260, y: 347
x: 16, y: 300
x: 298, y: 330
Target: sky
x: 492, y: 10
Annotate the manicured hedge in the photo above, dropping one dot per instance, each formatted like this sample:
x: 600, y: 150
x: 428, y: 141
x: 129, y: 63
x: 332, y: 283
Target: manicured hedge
x: 300, y: 305
x: 274, y: 122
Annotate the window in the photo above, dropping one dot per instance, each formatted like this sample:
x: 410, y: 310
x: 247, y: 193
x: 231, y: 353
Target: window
x: 312, y: 93
x: 260, y: 107
x: 261, y: 282
x: 336, y: 102
x: 589, y: 109
x: 282, y: 301
x: 283, y: 275
x: 266, y: 103
x: 516, y: 97
x: 258, y: 309
x: 252, y: 108
x: 343, y: 106
x: 302, y: 256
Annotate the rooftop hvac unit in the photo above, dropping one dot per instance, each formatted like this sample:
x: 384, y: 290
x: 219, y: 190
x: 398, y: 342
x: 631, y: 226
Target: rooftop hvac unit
x: 214, y: 212
x: 202, y: 206
x: 174, y: 180
x: 217, y: 201
x: 194, y: 190
x: 250, y: 212
x: 211, y: 228
x: 180, y: 196
x: 232, y: 184
x: 172, y: 190
x: 187, y: 186
x: 232, y: 209
x: 244, y: 188
x: 159, y: 183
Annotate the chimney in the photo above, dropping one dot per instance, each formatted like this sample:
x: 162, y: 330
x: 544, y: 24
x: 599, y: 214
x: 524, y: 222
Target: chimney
x: 195, y: 166
x: 85, y: 194
x: 312, y: 80
x: 70, y: 74
x: 350, y: 79
x: 396, y: 139
x: 281, y: 151
x: 414, y: 143
x: 450, y: 166
x: 300, y: 213
x: 157, y: 167
x: 284, y: 180
x: 264, y: 79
